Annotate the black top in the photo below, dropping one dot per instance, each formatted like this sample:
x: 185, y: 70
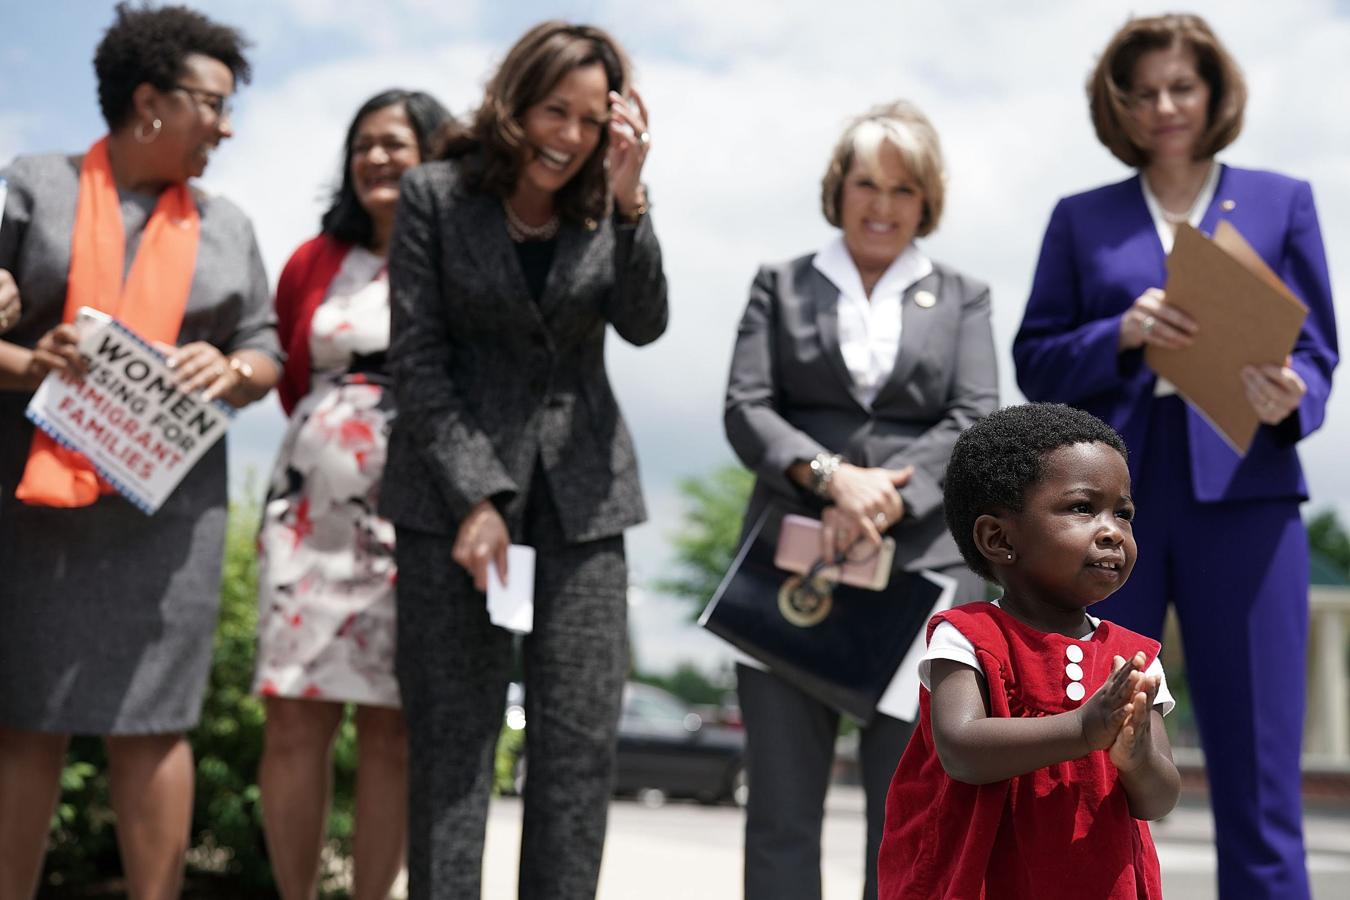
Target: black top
x: 536, y: 258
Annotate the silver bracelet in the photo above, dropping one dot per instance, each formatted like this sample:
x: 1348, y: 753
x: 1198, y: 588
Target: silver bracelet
x: 823, y: 466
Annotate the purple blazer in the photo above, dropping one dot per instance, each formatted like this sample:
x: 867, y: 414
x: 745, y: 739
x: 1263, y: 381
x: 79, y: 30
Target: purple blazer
x: 1101, y: 251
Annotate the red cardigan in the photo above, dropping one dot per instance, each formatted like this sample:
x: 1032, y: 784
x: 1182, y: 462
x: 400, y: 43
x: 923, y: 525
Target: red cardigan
x: 303, y: 285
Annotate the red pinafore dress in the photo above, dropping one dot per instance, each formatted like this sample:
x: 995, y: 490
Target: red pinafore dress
x: 1063, y: 831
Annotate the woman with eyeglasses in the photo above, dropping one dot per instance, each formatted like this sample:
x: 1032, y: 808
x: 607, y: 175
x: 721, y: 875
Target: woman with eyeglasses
x: 1220, y: 536
x: 107, y: 614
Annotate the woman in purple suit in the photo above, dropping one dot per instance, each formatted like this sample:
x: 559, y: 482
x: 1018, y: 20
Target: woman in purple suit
x: 1219, y: 534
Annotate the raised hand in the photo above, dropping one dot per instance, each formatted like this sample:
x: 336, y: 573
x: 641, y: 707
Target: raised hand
x: 1102, y: 716
x: 629, y: 143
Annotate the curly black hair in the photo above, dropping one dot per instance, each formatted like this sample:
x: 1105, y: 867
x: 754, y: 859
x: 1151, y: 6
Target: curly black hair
x: 346, y: 219
x: 999, y: 457
x: 148, y: 44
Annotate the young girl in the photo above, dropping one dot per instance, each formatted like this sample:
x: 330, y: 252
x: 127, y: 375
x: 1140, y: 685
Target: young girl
x: 1040, y: 744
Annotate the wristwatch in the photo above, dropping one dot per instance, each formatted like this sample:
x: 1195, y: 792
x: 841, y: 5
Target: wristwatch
x: 823, y: 466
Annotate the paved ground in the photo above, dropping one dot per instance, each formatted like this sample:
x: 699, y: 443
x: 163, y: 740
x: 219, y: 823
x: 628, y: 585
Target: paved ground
x: 689, y: 852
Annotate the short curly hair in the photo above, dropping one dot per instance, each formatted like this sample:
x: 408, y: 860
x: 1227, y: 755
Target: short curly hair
x: 148, y: 45
x: 999, y: 457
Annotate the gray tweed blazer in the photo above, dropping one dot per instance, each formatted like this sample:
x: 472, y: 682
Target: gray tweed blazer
x: 491, y: 386
x: 790, y: 395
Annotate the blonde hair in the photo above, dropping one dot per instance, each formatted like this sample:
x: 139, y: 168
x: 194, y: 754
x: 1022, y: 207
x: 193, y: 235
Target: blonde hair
x: 902, y: 125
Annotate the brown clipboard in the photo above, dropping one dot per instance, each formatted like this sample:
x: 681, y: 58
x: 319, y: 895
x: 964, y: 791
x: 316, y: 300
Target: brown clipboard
x: 1245, y: 316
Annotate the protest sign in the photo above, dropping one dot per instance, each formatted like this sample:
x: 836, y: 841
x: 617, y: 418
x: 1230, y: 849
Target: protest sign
x: 128, y: 416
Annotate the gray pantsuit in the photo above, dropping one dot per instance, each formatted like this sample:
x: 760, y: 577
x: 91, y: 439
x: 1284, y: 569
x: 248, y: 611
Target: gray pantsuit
x: 575, y: 662
x: 790, y: 396
x: 505, y: 398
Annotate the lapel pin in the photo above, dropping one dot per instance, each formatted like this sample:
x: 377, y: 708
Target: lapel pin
x: 1228, y: 205
x: 925, y: 299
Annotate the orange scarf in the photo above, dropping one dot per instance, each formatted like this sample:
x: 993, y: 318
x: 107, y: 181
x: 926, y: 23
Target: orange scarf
x: 150, y: 303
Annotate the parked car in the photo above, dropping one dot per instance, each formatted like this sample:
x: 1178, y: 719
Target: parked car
x: 665, y: 749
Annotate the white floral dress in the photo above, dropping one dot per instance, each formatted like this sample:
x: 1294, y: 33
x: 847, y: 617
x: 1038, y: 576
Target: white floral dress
x: 326, y: 617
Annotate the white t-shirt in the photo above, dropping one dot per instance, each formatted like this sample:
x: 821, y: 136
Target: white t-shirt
x: 949, y: 643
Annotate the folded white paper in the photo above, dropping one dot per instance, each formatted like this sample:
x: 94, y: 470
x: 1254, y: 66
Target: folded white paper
x: 511, y: 605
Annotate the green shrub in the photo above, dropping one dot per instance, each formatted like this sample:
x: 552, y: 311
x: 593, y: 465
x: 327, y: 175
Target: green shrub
x: 228, y: 856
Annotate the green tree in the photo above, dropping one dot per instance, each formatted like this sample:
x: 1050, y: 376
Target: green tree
x: 706, y: 541
x: 1328, y: 536
x: 689, y: 683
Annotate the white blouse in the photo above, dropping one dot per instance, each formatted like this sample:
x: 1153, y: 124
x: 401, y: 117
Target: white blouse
x: 1167, y: 235
x: 869, y: 328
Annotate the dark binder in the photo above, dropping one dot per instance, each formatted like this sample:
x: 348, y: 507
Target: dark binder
x: 844, y: 654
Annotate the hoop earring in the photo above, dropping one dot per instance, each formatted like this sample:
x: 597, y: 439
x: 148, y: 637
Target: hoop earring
x: 140, y: 135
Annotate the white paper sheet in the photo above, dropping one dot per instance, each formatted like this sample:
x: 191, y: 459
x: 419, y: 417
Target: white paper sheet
x: 511, y: 605
x: 901, y: 697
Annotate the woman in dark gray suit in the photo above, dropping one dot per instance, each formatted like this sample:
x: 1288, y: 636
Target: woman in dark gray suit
x: 510, y: 257
x: 855, y: 369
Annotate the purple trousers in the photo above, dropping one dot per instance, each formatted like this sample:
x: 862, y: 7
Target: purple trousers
x: 1237, y: 573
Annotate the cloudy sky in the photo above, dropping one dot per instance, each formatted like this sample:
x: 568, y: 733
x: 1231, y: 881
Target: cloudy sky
x: 746, y: 99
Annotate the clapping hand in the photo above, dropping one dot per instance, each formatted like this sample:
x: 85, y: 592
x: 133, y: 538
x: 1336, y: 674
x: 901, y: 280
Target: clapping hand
x: 1112, y: 705
x: 1131, y: 747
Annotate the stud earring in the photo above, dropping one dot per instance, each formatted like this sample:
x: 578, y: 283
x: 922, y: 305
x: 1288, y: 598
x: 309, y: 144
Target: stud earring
x: 1009, y: 557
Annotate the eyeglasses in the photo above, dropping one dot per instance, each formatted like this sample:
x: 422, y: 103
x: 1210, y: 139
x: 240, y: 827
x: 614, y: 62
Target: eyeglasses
x: 219, y: 104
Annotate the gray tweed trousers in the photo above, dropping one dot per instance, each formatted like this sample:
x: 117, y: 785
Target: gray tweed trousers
x: 453, y: 668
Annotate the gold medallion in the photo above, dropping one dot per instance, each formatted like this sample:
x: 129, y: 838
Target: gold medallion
x: 803, y: 603
x: 925, y: 299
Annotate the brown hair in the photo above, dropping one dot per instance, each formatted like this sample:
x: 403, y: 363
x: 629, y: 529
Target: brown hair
x: 492, y: 146
x: 902, y: 125
x: 1109, y: 85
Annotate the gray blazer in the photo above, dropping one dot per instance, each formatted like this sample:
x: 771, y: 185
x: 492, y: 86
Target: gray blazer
x: 492, y: 386
x: 790, y: 396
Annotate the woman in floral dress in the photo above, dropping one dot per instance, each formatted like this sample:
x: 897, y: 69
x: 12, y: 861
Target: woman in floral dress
x: 326, y: 626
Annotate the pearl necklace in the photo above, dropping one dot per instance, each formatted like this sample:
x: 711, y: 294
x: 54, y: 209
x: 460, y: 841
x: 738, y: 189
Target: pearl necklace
x: 1179, y: 218
x: 520, y: 231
